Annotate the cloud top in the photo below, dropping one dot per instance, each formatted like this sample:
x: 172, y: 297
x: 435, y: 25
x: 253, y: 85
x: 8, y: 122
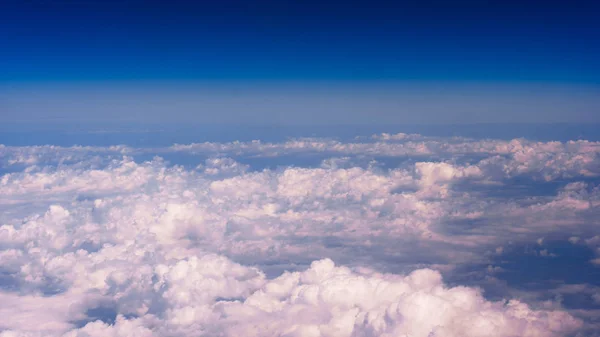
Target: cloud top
x: 118, y: 241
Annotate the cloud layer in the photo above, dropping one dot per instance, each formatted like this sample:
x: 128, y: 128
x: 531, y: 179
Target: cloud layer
x: 120, y: 241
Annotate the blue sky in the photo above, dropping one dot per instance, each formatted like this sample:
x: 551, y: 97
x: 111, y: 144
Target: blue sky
x: 299, y: 168
x: 494, y: 47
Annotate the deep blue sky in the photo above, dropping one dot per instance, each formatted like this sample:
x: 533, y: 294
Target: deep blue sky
x: 99, y: 43
x: 431, y: 40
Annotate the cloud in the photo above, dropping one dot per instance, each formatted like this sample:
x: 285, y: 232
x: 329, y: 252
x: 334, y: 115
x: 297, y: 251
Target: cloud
x: 125, y: 243
x: 211, y: 295
x: 333, y: 301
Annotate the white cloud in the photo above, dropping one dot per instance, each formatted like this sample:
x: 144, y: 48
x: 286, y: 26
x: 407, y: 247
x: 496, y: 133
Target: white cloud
x: 211, y: 295
x: 333, y: 301
x: 155, y: 243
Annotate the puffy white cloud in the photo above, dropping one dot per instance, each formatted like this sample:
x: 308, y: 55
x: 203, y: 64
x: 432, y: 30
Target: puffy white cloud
x: 333, y: 301
x: 154, y: 244
x: 436, y: 177
x: 213, y: 296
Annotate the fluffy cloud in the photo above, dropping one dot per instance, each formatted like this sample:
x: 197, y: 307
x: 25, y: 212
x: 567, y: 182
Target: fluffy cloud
x: 212, y: 296
x: 333, y: 301
x: 122, y: 243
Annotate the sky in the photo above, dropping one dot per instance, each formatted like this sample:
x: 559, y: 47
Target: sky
x: 271, y: 62
x: 299, y: 169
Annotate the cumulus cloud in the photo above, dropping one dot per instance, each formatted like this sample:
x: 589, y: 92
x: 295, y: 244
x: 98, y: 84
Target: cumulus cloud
x: 122, y: 242
x: 212, y: 296
x: 333, y: 301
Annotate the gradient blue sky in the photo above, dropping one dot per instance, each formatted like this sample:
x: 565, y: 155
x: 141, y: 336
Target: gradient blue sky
x: 301, y: 62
